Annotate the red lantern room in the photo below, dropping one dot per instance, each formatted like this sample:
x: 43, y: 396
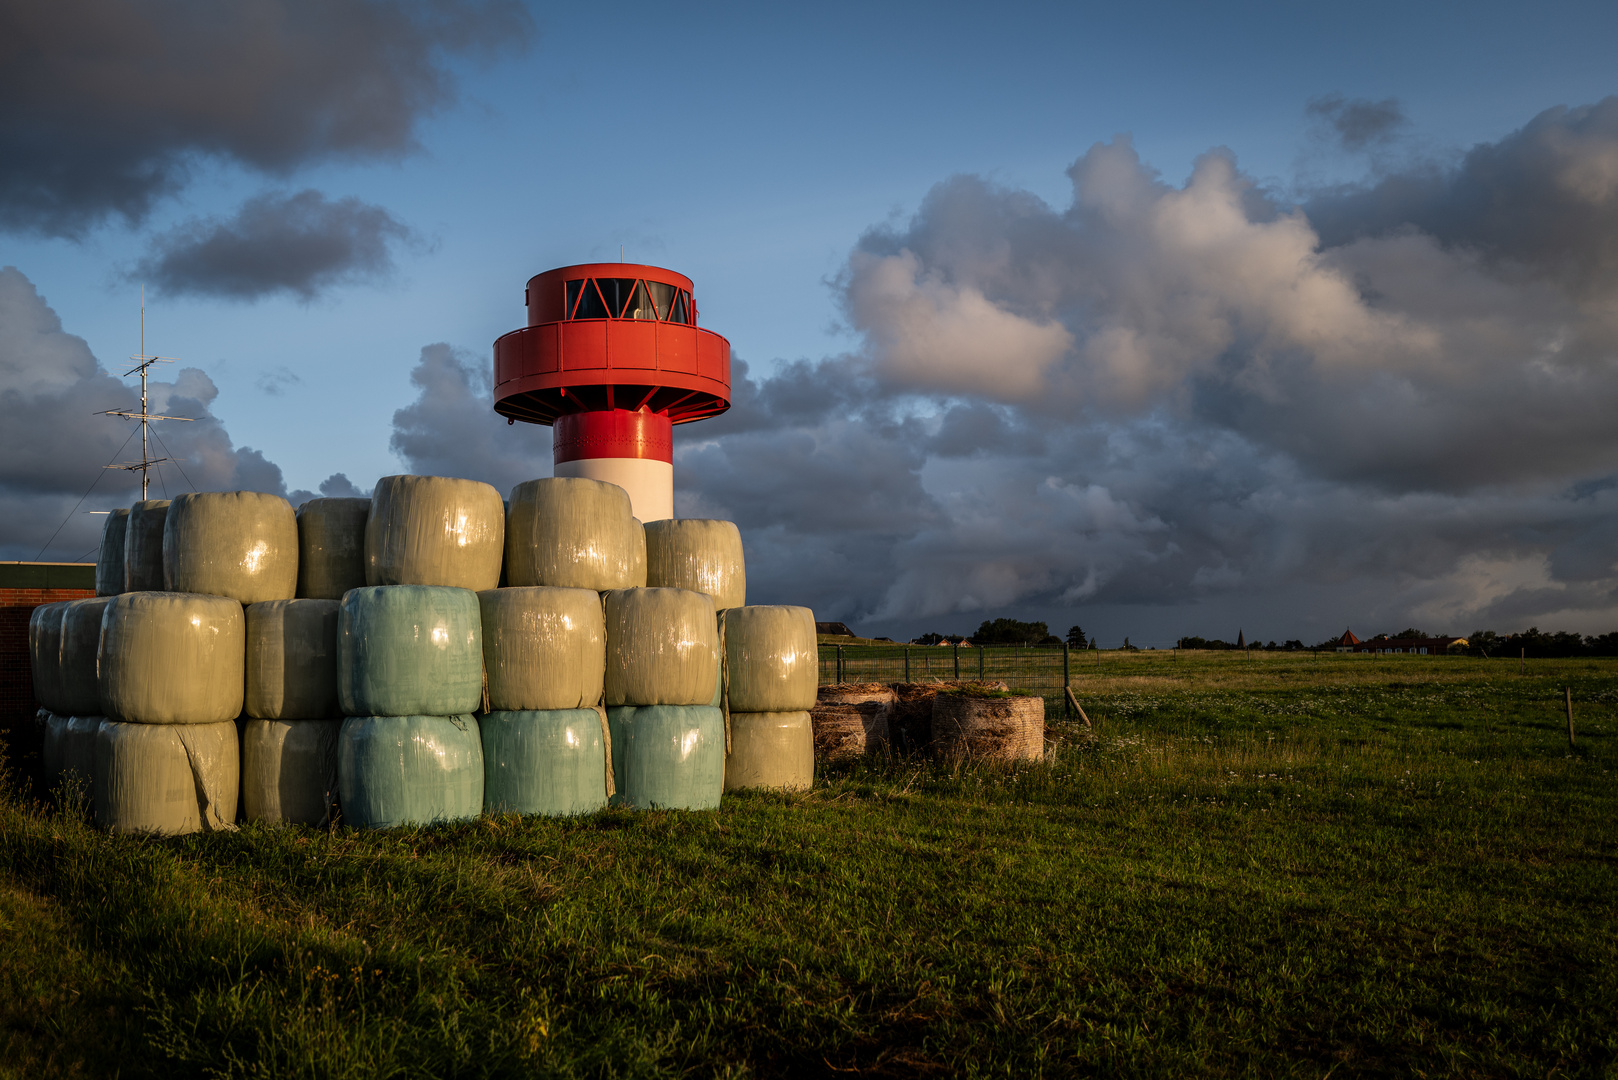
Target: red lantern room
x: 612, y: 358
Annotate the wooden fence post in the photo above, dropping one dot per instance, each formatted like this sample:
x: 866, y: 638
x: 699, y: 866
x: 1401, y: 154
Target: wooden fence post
x: 957, y: 661
x: 1067, y: 683
x: 842, y: 668
x: 981, y: 651
x: 907, y: 663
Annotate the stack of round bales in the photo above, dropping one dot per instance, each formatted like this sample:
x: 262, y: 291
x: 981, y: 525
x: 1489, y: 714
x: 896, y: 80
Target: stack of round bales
x: 771, y: 670
x: 66, y: 743
x: 171, y: 664
x: 110, y: 572
x: 410, y: 655
x: 143, y: 546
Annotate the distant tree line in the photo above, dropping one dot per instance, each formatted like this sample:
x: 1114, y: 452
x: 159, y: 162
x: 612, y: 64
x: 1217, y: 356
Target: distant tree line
x: 1216, y: 643
x: 1537, y: 644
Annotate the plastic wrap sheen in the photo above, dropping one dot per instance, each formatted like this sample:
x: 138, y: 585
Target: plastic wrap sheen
x: 45, y: 653
x: 292, y: 660
x: 240, y: 544
x: 110, y: 563
x: 397, y: 770
x: 288, y: 768
x: 434, y: 530
x: 331, y: 547
x: 704, y: 556
x: 573, y: 533
x: 551, y: 762
x: 637, y: 555
x: 143, y: 546
x: 771, y: 750
x: 81, y: 638
x: 662, y: 647
x: 772, y: 661
x: 172, y: 658
x: 159, y: 778
x: 69, y: 745
x: 543, y: 648
x: 409, y: 650
x: 668, y: 757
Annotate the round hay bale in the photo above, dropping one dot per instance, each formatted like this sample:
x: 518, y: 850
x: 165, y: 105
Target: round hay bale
x: 143, y: 546
x: 668, y: 757
x: 166, y: 780
x: 172, y: 658
x: 289, y: 770
x: 771, y: 750
x: 662, y: 647
x: 637, y: 555
x: 772, y: 663
x: 50, y: 747
x: 110, y: 562
x: 976, y: 725
x: 240, y: 544
x: 331, y: 547
x: 45, y: 653
x: 74, y: 752
x: 551, y: 762
x: 544, y: 648
x: 434, y: 530
x: 80, y: 692
x: 851, y: 719
x: 910, y: 725
x: 292, y: 660
x: 409, y: 650
x: 700, y: 555
x: 573, y: 533
x: 397, y: 770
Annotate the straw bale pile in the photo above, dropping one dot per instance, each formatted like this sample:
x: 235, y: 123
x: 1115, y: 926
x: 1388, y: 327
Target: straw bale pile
x: 851, y: 719
x: 968, y: 724
x: 911, y: 722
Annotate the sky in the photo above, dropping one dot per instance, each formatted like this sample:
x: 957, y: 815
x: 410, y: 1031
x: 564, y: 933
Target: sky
x: 1158, y: 319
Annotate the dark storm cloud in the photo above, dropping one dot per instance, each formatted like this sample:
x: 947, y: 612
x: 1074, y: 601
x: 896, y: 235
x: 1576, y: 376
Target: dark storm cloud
x: 107, y: 106
x: 300, y: 244
x: 53, y: 446
x: 1357, y: 123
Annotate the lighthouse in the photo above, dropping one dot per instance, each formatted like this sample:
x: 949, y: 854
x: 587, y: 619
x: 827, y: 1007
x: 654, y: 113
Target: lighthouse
x: 611, y: 359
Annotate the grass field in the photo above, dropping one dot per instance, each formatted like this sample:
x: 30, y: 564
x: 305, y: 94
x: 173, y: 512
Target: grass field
x: 1277, y: 866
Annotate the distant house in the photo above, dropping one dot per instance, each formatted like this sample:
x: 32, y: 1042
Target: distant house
x: 1347, y: 642
x: 836, y: 628
x: 1433, y: 646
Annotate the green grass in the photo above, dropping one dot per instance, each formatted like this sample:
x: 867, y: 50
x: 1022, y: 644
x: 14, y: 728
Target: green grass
x: 1268, y: 868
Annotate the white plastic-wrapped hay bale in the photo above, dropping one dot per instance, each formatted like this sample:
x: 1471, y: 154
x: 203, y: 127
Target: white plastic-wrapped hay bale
x: 771, y: 750
x: 704, y: 556
x: 143, y: 546
x: 544, y: 648
x: 551, y: 762
x: 172, y: 658
x: 289, y: 770
x: 772, y: 661
x: 668, y: 757
x: 80, y: 692
x: 110, y: 562
x: 572, y: 533
x: 166, y: 779
x: 240, y: 544
x: 62, y: 746
x: 434, y: 530
x: 331, y: 547
x: 399, y: 770
x: 409, y: 650
x: 851, y: 719
x: 662, y: 647
x: 637, y: 555
x: 988, y: 725
x: 291, y: 665
x: 45, y: 653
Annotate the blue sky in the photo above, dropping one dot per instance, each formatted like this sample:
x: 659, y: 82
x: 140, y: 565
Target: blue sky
x: 751, y: 147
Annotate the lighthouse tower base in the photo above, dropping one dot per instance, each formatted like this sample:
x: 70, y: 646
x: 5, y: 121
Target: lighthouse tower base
x: 634, y: 450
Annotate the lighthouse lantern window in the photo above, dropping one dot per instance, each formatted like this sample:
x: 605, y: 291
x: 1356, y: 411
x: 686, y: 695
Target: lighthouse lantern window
x: 628, y: 298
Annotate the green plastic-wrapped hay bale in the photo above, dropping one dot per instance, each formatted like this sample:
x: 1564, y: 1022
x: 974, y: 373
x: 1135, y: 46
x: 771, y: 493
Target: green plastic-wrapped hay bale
x: 543, y: 648
x: 143, y: 546
x: 69, y: 746
x: 166, y: 779
x: 110, y: 562
x: 81, y: 639
x: 572, y: 533
x: 289, y: 770
x: 331, y: 547
x: 668, y: 757
x: 551, y: 762
x: 172, y: 658
x: 772, y: 661
x: 662, y: 647
x: 292, y: 660
x: 705, y: 556
x: 409, y: 650
x: 771, y: 750
x: 45, y: 653
x: 399, y: 770
x: 240, y: 544
x: 434, y: 530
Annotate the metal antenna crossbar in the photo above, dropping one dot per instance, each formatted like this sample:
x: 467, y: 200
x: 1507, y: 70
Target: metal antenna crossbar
x: 143, y: 363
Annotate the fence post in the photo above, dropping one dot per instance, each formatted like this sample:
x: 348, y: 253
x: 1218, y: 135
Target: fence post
x: 907, y: 663
x: 842, y: 670
x: 1067, y: 682
x: 957, y: 661
x: 981, y: 650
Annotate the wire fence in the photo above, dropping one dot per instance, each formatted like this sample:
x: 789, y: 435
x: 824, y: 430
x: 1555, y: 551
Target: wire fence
x: 1042, y: 669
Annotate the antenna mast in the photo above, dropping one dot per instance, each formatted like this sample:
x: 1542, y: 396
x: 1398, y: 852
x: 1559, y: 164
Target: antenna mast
x: 143, y: 363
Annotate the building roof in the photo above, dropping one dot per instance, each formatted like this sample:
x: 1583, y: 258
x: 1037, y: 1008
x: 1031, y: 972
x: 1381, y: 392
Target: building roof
x: 1348, y: 638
